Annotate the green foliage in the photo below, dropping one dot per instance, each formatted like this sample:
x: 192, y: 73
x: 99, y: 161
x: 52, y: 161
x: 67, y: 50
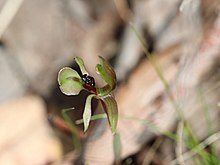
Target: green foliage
x: 190, y: 140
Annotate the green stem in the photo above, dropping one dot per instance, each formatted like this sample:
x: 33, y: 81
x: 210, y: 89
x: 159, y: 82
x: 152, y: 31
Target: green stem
x: 72, y: 126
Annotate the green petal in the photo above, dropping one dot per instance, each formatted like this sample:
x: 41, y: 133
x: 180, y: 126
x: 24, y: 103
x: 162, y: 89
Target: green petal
x: 70, y: 82
x: 81, y: 65
x: 87, y: 112
x: 111, y: 108
x: 108, y: 75
x: 71, y: 87
x: 66, y: 73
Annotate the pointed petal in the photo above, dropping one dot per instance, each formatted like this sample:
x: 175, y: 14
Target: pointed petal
x: 87, y: 112
x: 111, y: 109
x: 108, y: 75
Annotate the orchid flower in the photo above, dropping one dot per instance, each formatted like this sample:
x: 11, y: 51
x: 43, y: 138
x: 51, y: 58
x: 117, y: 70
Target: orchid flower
x: 71, y: 83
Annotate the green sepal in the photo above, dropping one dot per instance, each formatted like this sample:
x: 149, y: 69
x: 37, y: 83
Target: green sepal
x: 110, y: 106
x: 87, y: 112
x: 81, y: 65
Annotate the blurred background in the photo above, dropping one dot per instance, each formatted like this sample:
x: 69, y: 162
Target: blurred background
x: 38, y: 38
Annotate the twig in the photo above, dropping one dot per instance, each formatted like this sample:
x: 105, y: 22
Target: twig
x: 7, y: 14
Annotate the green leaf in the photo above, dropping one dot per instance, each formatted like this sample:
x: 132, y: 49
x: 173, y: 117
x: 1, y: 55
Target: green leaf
x: 87, y: 112
x: 70, y: 82
x: 81, y: 65
x: 108, y: 75
x: 67, y: 73
x: 117, y: 147
x: 110, y: 106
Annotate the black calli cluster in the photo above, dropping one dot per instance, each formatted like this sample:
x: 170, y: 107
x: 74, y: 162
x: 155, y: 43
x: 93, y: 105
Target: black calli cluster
x: 89, y: 80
